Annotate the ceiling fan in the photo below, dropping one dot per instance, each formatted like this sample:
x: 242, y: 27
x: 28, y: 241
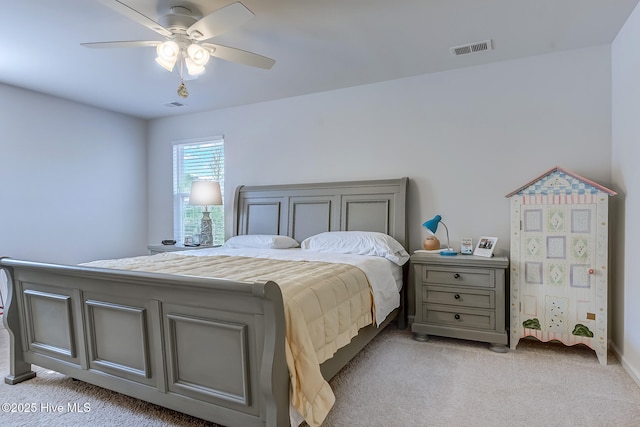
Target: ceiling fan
x: 186, y: 35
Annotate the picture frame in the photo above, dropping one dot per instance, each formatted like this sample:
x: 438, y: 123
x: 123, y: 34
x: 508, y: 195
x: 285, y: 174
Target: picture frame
x: 485, y: 246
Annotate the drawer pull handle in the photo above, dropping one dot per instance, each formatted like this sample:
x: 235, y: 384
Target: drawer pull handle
x: 457, y: 317
x: 457, y: 296
x: 456, y: 276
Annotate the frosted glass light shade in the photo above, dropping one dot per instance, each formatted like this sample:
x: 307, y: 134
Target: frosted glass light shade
x: 167, y: 65
x: 167, y: 54
x: 198, y: 54
x: 168, y: 50
x: 192, y: 67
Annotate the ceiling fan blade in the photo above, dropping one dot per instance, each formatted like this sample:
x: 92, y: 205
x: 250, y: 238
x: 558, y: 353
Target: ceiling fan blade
x: 220, y: 21
x: 239, y: 56
x: 131, y: 13
x: 100, y: 45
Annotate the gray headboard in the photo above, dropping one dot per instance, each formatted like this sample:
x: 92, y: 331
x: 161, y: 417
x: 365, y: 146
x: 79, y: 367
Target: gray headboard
x: 302, y: 210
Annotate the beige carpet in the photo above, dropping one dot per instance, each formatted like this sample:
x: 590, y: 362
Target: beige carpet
x: 395, y: 381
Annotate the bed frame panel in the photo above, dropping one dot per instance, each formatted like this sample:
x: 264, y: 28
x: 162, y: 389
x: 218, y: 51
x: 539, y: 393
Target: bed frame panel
x: 211, y: 348
x: 303, y: 210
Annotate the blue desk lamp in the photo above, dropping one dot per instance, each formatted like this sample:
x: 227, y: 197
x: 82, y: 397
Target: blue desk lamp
x: 432, y: 226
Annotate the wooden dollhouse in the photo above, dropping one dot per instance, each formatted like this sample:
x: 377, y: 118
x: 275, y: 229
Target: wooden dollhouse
x: 559, y: 255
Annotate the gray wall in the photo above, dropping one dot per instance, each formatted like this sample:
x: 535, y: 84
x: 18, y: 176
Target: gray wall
x: 465, y: 138
x: 73, y: 180
x: 625, y: 292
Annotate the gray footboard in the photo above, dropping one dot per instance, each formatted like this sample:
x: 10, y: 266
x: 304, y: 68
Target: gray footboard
x: 210, y: 348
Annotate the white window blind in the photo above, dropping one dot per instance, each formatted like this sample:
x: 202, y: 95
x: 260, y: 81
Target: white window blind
x: 193, y: 160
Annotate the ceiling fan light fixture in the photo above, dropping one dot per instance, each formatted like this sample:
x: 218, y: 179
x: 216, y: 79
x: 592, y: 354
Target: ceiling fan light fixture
x: 184, y: 32
x: 167, y: 65
x: 198, y: 54
x: 167, y: 54
x: 168, y: 51
x: 192, y: 67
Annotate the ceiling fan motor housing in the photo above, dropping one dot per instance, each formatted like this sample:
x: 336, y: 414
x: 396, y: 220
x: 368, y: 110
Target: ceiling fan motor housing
x: 178, y: 20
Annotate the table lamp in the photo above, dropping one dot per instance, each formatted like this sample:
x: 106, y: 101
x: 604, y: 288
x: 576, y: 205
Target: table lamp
x: 432, y: 242
x: 205, y: 193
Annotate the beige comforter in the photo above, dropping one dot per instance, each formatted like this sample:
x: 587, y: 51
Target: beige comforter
x: 325, y: 306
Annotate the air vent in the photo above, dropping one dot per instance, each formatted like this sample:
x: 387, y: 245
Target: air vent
x: 174, y: 104
x: 472, y: 48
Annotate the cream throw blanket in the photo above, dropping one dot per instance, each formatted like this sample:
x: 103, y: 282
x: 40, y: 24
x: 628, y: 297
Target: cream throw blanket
x: 325, y: 306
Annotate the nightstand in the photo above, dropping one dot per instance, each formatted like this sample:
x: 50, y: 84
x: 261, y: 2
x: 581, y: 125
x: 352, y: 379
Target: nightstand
x: 461, y: 296
x: 156, y: 249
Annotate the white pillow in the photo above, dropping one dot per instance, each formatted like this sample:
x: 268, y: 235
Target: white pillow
x: 260, y: 241
x: 358, y: 243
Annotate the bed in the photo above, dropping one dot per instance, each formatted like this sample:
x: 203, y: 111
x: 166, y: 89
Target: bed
x: 152, y: 335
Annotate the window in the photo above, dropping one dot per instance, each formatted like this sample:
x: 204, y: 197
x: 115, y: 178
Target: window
x: 193, y: 160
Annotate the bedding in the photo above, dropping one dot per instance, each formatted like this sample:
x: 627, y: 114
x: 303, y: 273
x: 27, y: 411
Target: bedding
x: 261, y: 241
x: 328, y: 297
x: 358, y: 243
x: 384, y: 277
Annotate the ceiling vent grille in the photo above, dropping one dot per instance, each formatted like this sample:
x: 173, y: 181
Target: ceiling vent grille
x: 175, y: 104
x: 475, y: 47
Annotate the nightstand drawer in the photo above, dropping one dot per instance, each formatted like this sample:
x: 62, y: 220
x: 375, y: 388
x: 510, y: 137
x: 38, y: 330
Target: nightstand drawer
x: 482, y: 277
x: 460, y: 317
x: 462, y: 297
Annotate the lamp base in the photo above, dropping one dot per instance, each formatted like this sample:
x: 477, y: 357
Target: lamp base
x: 448, y: 252
x: 206, y: 230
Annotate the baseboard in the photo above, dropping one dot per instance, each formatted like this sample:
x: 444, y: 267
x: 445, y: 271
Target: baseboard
x: 633, y: 373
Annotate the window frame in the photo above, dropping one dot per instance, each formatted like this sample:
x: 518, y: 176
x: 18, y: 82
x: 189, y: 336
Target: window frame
x: 186, y: 218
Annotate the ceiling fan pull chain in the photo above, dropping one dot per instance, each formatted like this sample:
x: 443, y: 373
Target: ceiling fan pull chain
x: 182, y: 90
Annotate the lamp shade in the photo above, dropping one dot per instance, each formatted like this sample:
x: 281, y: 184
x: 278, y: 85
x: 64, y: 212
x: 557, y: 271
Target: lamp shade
x: 205, y: 193
x: 432, y: 224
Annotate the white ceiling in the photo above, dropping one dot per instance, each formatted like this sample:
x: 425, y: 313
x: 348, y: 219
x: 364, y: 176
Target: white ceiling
x: 318, y: 45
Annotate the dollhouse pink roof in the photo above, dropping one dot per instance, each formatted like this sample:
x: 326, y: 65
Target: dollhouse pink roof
x: 566, y: 172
